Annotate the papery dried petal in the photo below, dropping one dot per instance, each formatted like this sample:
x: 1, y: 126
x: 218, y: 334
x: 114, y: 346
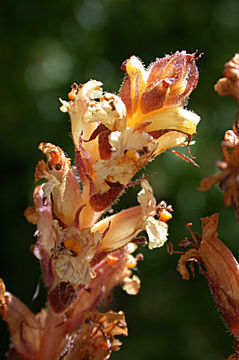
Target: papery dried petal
x: 73, y: 253
x: 111, y: 112
x: 97, y: 336
x: 131, y: 285
x: 133, y: 150
x: 157, y: 232
x: 83, y: 96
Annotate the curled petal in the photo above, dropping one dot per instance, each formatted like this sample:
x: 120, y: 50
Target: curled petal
x: 61, y: 182
x: 81, y: 98
x: 170, y: 140
x: 190, y: 255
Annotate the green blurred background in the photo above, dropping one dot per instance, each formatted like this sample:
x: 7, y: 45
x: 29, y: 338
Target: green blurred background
x: 45, y: 46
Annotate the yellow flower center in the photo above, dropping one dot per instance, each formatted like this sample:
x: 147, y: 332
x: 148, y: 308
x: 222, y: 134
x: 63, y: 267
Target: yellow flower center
x: 72, y: 244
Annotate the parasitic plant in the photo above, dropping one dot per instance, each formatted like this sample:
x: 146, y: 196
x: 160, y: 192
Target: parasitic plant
x: 82, y: 255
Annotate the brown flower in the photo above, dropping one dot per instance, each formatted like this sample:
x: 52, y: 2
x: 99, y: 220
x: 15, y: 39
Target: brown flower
x: 221, y: 271
x: 228, y: 178
x: 229, y: 84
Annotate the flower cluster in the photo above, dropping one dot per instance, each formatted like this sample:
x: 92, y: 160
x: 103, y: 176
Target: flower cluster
x: 82, y: 256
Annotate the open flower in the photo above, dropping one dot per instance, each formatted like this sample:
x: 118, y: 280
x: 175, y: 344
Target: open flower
x: 155, y: 98
x: 115, y: 136
x: 135, y: 220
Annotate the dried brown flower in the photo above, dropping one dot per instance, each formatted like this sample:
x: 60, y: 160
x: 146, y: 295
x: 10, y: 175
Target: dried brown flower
x: 228, y: 178
x: 221, y: 271
x: 229, y: 84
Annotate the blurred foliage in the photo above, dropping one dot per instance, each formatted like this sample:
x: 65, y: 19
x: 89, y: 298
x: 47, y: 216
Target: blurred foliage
x: 45, y: 46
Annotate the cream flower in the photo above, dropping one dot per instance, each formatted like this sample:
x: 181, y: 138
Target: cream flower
x: 134, y: 221
x: 73, y: 253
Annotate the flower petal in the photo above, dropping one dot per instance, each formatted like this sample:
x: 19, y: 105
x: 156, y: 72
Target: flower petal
x: 134, y: 83
x: 123, y: 227
x: 171, y: 118
x: 157, y: 232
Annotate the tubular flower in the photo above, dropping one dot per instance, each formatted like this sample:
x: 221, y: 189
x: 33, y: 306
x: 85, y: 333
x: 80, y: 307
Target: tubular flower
x: 135, y: 220
x: 222, y: 271
x: 155, y: 98
x: 115, y: 136
x: 82, y: 256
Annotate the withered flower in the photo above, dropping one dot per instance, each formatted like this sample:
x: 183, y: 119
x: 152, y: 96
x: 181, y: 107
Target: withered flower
x: 221, y: 271
x: 228, y: 178
x: 229, y: 84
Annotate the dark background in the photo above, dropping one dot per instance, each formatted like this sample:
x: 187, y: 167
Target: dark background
x: 44, y: 47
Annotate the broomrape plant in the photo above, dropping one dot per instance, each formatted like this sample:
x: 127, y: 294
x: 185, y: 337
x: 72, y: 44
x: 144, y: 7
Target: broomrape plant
x: 82, y: 256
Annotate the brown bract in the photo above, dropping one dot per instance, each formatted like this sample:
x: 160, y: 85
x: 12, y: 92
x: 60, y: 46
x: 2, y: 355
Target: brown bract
x: 229, y: 84
x: 221, y: 271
